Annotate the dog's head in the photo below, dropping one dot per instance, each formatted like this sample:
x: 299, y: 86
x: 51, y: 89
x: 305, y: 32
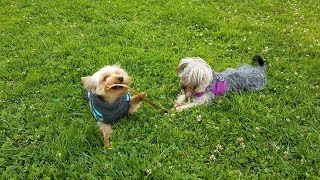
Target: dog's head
x: 100, y: 81
x: 195, y: 75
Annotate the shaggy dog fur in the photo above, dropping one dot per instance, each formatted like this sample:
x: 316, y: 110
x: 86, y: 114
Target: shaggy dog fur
x: 198, y: 81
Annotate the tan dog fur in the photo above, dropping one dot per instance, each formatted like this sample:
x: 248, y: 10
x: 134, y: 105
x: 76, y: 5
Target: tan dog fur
x: 99, y: 82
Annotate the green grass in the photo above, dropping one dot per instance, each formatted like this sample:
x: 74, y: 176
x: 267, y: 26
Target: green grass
x: 47, y: 130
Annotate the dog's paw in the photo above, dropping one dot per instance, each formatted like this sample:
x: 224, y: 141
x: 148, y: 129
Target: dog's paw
x: 179, y: 108
x: 175, y: 109
x: 142, y: 95
x: 106, y: 144
x: 178, y: 104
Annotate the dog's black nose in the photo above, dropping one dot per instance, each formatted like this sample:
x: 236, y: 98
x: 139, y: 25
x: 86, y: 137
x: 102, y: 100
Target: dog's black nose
x: 120, y: 79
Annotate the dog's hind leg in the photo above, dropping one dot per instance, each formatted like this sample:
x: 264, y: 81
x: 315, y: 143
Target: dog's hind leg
x: 106, y: 132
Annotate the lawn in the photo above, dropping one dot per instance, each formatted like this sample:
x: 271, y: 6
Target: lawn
x: 47, y: 130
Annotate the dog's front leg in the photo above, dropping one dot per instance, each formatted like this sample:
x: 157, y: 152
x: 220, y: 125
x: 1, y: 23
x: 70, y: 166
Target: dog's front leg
x: 196, y: 102
x: 186, y: 106
x: 135, y: 102
x: 106, y: 132
x: 180, y: 100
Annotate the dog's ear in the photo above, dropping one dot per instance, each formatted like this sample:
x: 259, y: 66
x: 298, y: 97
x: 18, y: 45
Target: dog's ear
x: 200, y: 78
x: 181, y: 67
x: 183, y: 64
x: 195, y: 76
x: 88, y: 83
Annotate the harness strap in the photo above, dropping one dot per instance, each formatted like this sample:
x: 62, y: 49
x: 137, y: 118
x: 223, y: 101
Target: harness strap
x: 219, y: 88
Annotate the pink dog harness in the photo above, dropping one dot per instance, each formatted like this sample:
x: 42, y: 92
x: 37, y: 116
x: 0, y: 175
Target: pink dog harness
x: 219, y: 88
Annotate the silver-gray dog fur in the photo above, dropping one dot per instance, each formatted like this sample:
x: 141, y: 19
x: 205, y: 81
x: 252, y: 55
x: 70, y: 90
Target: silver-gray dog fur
x: 196, y: 74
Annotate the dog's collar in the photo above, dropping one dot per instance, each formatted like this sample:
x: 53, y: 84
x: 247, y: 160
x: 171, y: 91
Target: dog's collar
x: 219, y: 88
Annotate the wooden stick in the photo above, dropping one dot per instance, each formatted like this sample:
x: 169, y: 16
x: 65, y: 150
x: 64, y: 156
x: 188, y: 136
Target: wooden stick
x: 136, y: 92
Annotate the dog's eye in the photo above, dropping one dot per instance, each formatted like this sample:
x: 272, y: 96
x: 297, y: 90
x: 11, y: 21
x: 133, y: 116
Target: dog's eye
x: 105, y: 77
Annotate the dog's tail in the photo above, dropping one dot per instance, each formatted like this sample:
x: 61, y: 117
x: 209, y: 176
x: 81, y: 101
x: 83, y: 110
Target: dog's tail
x: 257, y: 60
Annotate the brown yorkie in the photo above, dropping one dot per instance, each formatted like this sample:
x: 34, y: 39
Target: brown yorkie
x: 110, y: 103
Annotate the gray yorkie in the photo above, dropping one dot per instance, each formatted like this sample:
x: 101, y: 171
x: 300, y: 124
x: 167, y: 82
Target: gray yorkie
x: 202, y: 84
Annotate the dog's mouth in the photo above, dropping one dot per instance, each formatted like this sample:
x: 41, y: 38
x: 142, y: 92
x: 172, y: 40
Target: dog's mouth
x: 117, y: 87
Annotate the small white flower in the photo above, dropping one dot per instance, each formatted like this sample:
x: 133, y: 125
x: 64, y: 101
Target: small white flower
x: 212, y: 158
x: 199, y: 118
x: 240, y: 140
x: 173, y: 115
x: 149, y: 171
x: 219, y: 148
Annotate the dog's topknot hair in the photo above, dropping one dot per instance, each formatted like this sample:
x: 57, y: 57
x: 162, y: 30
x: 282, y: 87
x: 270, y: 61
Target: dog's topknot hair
x: 258, y: 60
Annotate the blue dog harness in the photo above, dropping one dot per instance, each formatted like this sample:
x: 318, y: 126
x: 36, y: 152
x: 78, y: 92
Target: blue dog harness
x: 108, y: 112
